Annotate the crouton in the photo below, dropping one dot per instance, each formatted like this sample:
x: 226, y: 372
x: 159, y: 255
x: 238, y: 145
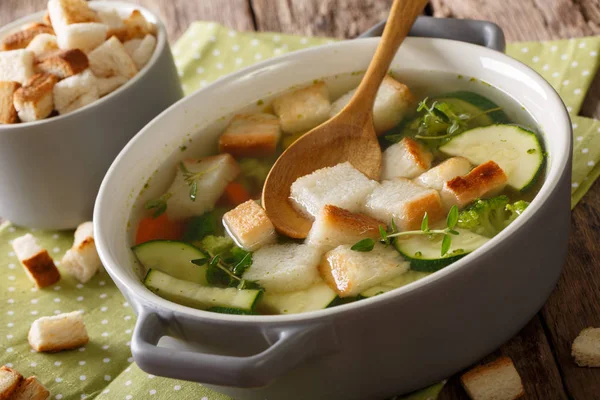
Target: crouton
x: 393, y: 101
x: 84, y: 36
x: 405, y: 159
x: 341, y: 185
x: 405, y: 202
x: 303, y: 109
x: 16, y: 65
x: 251, y: 135
x: 82, y: 260
x: 443, y: 172
x: 42, y: 44
x: 132, y: 45
x: 22, y: 38
x: 108, y: 85
x: 136, y: 27
x: 9, y: 382
x: 485, y: 180
x: 63, y: 63
x: 142, y: 53
x: 497, y: 380
x: 350, y: 272
x: 58, y: 332
x: 46, y: 19
x: 66, y: 12
x: 34, y: 101
x: 8, y: 113
x: 31, y: 389
x: 36, y: 261
x: 249, y: 226
x: 110, y: 59
x: 75, y: 91
x: 110, y: 18
x: 211, y: 175
x: 282, y: 268
x: 586, y: 348
x: 335, y: 226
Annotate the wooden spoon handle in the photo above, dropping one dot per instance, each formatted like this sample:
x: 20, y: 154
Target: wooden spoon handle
x: 402, y: 16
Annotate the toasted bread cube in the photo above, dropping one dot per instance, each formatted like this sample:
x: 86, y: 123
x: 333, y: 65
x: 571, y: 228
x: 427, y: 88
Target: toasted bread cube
x: 16, y: 65
x: 341, y: 185
x: 132, y: 45
x: 211, y: 174
x: 111, y: 59
x: 82, y: 260
x: 42, y: 44
x: 34, y: 100
x: 58, y: 332
x: 350, y: 272
x: 84, y: 36
x: 392, y: 102
x: 497, y: 380
x: 405, y: 202
x: 22, y: 38
x: 36, y: 261
x: 31, y: 389
x: 405, y: 159
x: 586, y: 348
x: 249, y: 226
x: 109, y: 85
x: 63, y: 63
x: 251, y: 135
x: 282, y: 268
x: 67, y: 12
x: 136, y: 26
x: 8, y: 113
x: 485, y: 180
x: 110, y: 18
x: 303, y: 109
x: 140, y: 50
x: 9, y: 382
x: 443, y: 172
x: 335, y: 226
x: 75, y: 91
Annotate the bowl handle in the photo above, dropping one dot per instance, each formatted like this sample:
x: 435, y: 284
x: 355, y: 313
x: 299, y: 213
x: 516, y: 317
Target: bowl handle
x: 483, y: 33
x: 288, y: 348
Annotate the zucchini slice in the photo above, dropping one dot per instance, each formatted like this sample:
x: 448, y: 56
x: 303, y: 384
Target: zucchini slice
x: 515, y: 149
x: 402, y: 280
x: 475, y: 104
x: 172, y: 257
x: 197, y: 296
x: 316, y: 297
x: 424, y: 253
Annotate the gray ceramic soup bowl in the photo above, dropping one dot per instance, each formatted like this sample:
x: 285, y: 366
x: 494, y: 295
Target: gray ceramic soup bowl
x: 382, y: 346
x: 50, y: 170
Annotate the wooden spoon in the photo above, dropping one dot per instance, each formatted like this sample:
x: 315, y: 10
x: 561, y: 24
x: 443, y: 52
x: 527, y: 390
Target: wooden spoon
x: 348, y: 136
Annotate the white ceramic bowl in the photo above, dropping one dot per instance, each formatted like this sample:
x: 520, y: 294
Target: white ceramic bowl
x: 50, y: 170
x: 382, y: 346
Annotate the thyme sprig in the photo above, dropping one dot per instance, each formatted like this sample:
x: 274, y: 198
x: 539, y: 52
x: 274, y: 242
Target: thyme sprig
x: 191, y: 178
x: 158, y: 205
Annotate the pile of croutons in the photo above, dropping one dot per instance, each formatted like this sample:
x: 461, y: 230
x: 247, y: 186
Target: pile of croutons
x: 72, y: 58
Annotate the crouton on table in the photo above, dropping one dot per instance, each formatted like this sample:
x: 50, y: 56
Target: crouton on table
x: 341, y: 185
x: 405, y: 202
x: 211, y: 175
x: 251, y: 135
x: 31, y: 389
x: 63, y: 63
x: 58, y: 332
x: 350, y: 272
x: 282, y: 268
x: 445, y: 171
x: 249, y: 226
x: 8, y: 113
x: 405, y: 159
x: 303, y: 109
x: 485, y: 180
x: 82, y: 260
x: 111, y: 59
x: 42, y: 43
x: 335, y: 226
x: 497, y: 380
x: 392, y: 102
x: 36, y: 261
x: 75, y: 92
x: 34, y: 100
x: 84, y: 36
x: 22, y: 38
x: 16, y: 65
x: 586, y: 348
x: 9, y: 382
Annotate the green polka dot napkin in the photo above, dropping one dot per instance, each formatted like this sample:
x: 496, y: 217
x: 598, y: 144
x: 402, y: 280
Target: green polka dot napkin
x: 104, y: 368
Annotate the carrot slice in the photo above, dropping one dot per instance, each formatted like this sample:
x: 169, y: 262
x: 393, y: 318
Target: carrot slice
x: 236, y: 193
x: 159, y: 228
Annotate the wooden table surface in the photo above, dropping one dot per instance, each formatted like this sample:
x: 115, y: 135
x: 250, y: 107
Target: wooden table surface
x: 541, y: 350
